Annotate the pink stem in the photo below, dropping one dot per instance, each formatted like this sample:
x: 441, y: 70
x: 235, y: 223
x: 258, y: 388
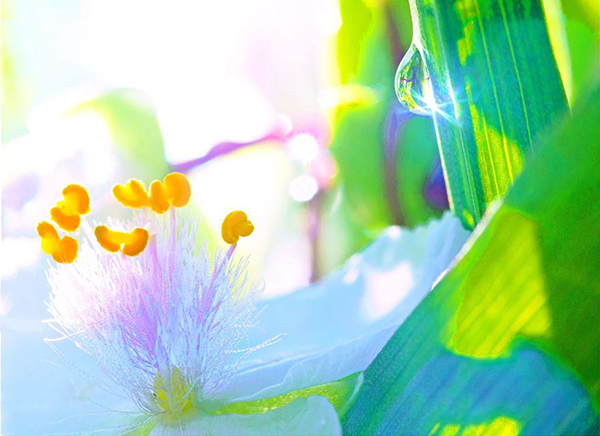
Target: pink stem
x: 225, y: 148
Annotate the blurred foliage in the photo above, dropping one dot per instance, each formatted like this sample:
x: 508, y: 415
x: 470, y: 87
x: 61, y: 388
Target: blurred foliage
x: 582, y: 21
x: 512, y: 332
x: 417, y: 156
x: 356, y: 20
x: 370, y: 43
x: 134, y: 129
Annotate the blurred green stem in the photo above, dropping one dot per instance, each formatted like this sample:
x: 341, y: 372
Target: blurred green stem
x: 392, y: 126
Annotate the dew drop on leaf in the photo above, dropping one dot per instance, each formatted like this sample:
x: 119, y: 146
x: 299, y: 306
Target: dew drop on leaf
x: 413, y: 85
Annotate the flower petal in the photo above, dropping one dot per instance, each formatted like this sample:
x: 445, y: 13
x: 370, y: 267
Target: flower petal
x: 336, y: 327
x: 277, y: 378
x: 43, y: 393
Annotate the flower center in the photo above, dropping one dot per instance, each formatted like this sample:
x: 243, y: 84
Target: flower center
x: 173, y: 395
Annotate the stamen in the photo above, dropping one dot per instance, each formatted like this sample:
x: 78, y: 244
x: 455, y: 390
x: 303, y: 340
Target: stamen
x: 66, y: 213
x: 130, y: 244
x: 133, y: 194
x: 49, y: 235
x: 77, y: 200
x: 69, y: 223
x: 171, y: 328
x: 62, y: 250
x: 109, y: 240
x: 135, y: 241
x: 159, y: 200
x: 179, y: 189
x: 174, y: 191
x: 236, y: 224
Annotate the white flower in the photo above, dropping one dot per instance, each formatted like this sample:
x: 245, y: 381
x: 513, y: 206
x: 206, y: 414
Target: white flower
x: 167, y: 324
x: 182, y: 333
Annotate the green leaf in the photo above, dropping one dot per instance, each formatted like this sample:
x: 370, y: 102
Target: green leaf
x: 486, y: 69
x: 338, y: 393
x: 584, y: 49
x: 510, y: 336
x: 357, y: 142
x: 356, y: 20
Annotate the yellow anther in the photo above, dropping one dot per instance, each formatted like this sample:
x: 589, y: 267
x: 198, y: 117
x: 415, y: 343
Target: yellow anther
x: 49, y: 235
x: 178, y: 189
x: 62, y: 250
x: 159, y: 200
x: 69, y: 223
x: 131, y: 244
x: 76, y: 202
x: 175, y: 191
x: 132, y: 194
x: 135, y: 241
x: 109, y: 240
x: 236, y: 224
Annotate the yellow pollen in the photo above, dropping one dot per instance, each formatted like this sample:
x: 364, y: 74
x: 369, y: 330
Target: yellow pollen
x: 174, y: 191
x: 62, y: 250
x: 66, y: 213
x: 135, y: 241
x: 159, y: 201
x: 76, y: 200
x: 173, y: 394
x: 178, y: 188
x: 130, y: 244
x: 69, y: 223
x: 133, y: 194
x: 236, y: 224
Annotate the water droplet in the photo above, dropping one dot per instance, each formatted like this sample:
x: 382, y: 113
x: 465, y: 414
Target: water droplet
x: 413, y: 84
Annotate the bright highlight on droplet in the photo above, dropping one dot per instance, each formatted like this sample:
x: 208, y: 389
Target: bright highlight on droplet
x: 429, y: 99
x: 303, y: 188
x: 304, y: 147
